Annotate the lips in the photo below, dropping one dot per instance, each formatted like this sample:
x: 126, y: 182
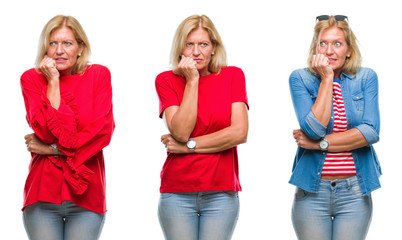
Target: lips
x: 331, y: 60
x: 60, y: 60
x: 198, y: 60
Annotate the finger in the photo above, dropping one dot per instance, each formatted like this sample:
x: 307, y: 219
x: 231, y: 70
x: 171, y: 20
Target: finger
x: 313, y: 61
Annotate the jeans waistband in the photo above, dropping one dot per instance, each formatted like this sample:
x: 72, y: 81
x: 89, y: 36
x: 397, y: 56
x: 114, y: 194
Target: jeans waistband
x: 346, y: 182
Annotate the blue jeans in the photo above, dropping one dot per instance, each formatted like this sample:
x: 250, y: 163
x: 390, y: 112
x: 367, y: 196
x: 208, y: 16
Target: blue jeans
x: 49, y: 221
x: 198, y: 215
x: 339, y: 211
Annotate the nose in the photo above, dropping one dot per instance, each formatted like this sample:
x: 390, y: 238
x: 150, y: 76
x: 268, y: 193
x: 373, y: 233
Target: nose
x: 59, y: 49
x: 329, y: 49
x: 196, y: 50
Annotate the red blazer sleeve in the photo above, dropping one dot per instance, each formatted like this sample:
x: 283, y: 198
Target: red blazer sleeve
x: 97, y: 133
x: 47, y: 122
x: 94, y: 135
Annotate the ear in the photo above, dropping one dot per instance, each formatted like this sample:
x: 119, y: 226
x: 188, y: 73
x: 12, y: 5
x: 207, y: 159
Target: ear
x: 81, y: 49
x: 349, y: 51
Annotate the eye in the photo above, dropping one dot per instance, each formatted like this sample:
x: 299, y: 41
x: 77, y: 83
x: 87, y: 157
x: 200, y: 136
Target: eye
x: 68, y: 43
x: 52, y: 44
x: 323, y: 44
x: 203, y: 44
x: 189, y: 44
x: 337, y: 44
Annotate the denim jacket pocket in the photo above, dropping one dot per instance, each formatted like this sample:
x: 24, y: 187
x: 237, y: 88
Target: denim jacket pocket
x: 358, y: 100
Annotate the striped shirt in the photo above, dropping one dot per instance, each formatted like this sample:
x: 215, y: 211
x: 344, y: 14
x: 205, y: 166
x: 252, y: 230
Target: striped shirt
x: 339, y: 163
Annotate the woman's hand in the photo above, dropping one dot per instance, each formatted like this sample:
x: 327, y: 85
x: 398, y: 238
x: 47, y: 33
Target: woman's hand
x: 187, y: 68
x: 305, y: 142
x: 35, y: 145
x: 172, y: 145
x: 48, y: 68
x: 320, y: 63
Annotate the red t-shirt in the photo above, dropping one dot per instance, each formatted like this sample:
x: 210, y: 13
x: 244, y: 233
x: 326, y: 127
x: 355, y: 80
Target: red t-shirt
x: 203, y: 172
x: 81, y: 127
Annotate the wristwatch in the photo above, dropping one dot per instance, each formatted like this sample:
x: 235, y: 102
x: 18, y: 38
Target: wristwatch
x: 55, y: 150
x: 324, y: 144
x: 191, y: 144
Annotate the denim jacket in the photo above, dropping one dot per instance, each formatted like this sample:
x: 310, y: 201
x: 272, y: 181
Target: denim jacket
x: 360, y: 96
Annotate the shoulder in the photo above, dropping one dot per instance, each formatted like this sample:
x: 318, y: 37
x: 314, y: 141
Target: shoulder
x: 97, y: 68
x: 166, y: 74
x: 365, y: 72
x: 167, y: 77
x: 303, y: 76
x: 303, y: 73
x: 32, y: 76
x: 231, y: 70
x: 30, y: 73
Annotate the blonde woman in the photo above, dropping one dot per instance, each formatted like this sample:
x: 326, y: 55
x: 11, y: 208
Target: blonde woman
x: 336, y: 167
x: 69, y: 107
x: 204, y: 104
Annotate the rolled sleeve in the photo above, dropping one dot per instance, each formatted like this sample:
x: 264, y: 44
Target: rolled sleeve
x: 313, y: 128
x: 369, y: 133
x: 303, y: 99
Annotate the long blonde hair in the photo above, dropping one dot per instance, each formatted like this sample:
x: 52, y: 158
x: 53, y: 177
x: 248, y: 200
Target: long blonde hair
x: 79, y: 34
x: 189, y: 24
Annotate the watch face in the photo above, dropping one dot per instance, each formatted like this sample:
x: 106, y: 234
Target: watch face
x: 323, y: 144
x: 191, y: 144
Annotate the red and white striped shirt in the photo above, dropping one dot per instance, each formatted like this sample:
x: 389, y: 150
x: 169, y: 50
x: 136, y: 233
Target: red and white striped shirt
x: 339, y: 163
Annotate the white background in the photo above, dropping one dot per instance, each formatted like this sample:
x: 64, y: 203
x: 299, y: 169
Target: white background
x: 268, y: 40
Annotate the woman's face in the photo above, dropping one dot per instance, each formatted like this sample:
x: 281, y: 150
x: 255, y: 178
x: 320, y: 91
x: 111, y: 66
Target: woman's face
x: 333, y: 45
x: 64, y: 49
x: 199, y: 48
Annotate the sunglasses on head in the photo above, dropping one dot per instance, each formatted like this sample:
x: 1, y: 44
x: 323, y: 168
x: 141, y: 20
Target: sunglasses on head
x: 337, y: 18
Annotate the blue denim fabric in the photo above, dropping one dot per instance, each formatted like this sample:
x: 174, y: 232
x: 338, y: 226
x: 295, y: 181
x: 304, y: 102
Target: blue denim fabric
x: 198, y: 215
x: 339, y: 211
x: 360, y: 95
x: 65, y: 221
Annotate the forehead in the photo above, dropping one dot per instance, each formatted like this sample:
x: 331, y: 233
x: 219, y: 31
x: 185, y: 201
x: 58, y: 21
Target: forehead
x: 198, y: 34
x: 62, y: 32
x: 332, y: 33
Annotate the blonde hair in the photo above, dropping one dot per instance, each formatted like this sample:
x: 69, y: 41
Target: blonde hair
x: 79, y: 34
x: 353, y: 63
x: 190, y: 24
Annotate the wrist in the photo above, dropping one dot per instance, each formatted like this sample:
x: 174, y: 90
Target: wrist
x: 55, y: 150
x: 323, y: 144
x: 191, y: 145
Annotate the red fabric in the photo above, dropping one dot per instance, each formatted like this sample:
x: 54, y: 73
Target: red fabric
x: 203, y: 172
x: 81, y: 127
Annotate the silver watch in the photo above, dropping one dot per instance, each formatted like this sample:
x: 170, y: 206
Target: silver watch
x: 324, y: 144
x: 55, y: 150
x: 191, y: 144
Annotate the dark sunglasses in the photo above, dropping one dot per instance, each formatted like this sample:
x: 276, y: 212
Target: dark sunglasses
x: 337, y: 18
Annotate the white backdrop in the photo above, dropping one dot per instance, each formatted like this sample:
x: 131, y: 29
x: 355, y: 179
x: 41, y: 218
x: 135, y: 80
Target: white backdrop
x: 268, y: 40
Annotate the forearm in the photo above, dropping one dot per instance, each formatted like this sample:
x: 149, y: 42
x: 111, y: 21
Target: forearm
x: 182, y: 122
x: 323, y: 105
x: 228, y: 137
x: 53, y: 93
x: 346, y: 141
x: 221, y: 140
